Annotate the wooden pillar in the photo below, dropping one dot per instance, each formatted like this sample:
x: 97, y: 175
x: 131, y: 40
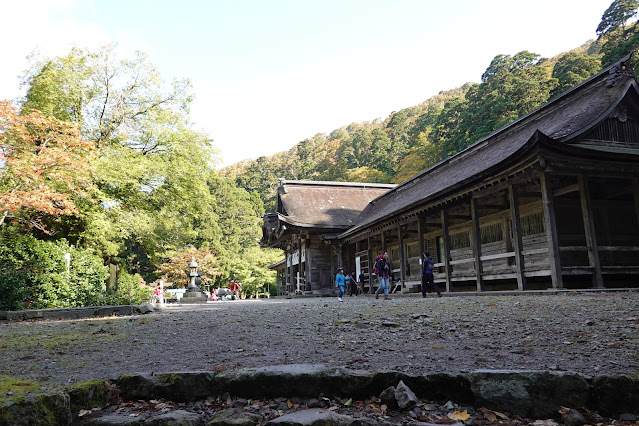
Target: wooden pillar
x: 287, y: 270
x: 402, y: 257
x: 371, y: 261
x: 420, y: 236
x: 383, y: 241
x: 307, y: 263
x: 589, y: 229
x: 449, y: 282
x: 551, y: 232
x: 299, y: 266
x: 635, y: 192
x: 340, y: 258
x: 513, y: 198
x: 474, y: 214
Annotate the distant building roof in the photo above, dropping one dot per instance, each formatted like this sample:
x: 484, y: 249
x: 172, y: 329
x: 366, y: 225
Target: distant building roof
x: 327, y: 205
x: 278, y: 266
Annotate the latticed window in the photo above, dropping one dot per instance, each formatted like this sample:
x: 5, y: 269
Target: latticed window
x: 460, y: 240
x: 616, y: 131
x: 533, y: 224
x: 431, y: 247
x: 492, y: 233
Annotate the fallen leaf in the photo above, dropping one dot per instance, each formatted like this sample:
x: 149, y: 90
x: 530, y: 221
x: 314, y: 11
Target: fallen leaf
x: 501, y: 415
x: 349, y: 402
x: 488, y: 414
x: 456, y: 415
x: 437, y: 347
x: 333, y: 408
x: 289, y: 404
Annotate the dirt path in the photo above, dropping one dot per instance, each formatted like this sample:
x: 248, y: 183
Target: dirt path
x: 592, y: 333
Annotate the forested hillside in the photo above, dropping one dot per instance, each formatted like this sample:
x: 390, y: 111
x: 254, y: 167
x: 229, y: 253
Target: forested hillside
x: 413, y: 139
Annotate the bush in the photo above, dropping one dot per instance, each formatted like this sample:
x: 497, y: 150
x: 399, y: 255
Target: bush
x: 33, y: 274
x: 129, y: 289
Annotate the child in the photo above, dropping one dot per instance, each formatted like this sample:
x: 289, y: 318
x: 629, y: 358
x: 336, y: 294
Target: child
x: 340, y: 282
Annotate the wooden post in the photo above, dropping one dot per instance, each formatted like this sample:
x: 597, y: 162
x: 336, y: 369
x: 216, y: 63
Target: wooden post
x: 308, y: 262
x: 300, y: 271
x: 635, y: 192
x: 551, y: 232
x: 513, y: 198
x: 449, y: 282
x: 474, y: 213
x: 589, y: 229
x: 287, y: 270
x: 371, y: 261
x: 340, y: 258
x: 383, y: 241
x: 420, y: 236
x: 402, y: 257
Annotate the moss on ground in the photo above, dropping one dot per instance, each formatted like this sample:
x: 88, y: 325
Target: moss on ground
x: 13, y: 389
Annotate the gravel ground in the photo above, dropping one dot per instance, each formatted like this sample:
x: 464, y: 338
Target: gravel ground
x: 590, y: 333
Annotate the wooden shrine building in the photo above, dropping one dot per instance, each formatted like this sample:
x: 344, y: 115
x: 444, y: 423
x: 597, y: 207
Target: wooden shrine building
x: 308, y: 213
x: 549, y: 201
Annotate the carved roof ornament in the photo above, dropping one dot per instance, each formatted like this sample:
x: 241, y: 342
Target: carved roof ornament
x: 618, y: 71
x: 620, y: 113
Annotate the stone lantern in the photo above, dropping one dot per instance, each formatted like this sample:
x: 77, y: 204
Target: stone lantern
x: 193, y: 294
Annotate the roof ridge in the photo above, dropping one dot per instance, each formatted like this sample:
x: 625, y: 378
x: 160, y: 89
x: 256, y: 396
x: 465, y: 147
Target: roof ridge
x: 336, y: 183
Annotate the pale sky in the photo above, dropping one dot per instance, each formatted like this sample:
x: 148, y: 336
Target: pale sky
x: 270, y: 73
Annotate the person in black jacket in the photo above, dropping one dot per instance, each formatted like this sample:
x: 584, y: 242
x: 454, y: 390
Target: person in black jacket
x: 427, y: 275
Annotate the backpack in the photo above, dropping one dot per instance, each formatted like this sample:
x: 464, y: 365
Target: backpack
x: 376, y: 261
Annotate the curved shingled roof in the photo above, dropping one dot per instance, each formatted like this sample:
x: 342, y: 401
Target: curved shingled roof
x: 328, y: 205
x: 561, y: 119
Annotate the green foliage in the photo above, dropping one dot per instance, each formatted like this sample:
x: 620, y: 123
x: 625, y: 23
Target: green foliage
x: 129, y: 289
x: 33, y: 274
x: 617, y: 38
x: 250, y: 270
x: 616, y: 16
x: 571, y: 69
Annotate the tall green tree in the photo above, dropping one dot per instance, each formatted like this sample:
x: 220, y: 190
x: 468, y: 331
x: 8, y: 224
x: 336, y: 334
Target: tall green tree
x: 111, y: 98
x: 617, y: 35
x: 571, y: 69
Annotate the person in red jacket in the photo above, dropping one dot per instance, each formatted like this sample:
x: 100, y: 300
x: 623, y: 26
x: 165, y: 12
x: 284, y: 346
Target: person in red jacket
x: 235, y: 289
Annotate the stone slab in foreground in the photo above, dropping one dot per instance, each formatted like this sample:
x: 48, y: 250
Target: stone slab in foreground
x: 76, y: 313
x: 532, y: 394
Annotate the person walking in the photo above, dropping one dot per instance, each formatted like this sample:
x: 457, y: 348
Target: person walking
x: 383, y: 273
x: 340, y: 282
x: 427, y: 275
